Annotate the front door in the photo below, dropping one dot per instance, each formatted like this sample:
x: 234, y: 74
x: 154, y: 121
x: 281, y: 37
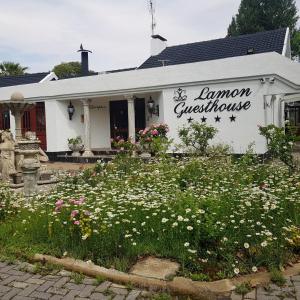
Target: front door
x: 35, y: 120
x: 119, y: 117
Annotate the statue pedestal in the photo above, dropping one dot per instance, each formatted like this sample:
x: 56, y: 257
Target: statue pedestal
x: 30, y: 168
x: 27, y: 154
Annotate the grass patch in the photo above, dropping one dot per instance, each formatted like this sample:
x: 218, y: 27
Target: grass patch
x: 200, y: 277
x: 45, y: 269
x: 162, y: 296
x: 243, y: 288
x: 277, y: 277
x: 99, y: 279
x: 77, y: 277
x: 217, y: 218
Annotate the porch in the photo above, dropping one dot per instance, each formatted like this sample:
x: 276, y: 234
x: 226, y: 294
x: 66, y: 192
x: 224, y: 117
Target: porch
x: 97, y: 121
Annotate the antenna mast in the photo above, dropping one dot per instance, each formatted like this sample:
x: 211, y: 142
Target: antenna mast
x: 152, y: 12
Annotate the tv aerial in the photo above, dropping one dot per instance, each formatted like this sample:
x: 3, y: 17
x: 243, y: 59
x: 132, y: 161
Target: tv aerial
x: 152, y: 12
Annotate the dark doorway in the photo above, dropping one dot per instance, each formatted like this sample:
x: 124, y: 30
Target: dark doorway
x: 35, y: 120
x: 4, y: 119
x: 119, y: 117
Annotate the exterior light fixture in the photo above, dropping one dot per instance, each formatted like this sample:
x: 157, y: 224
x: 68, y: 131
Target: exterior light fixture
x: 272, y: 80
x: 71, y: 110
x: 263, y: 80
x: 152, y: 108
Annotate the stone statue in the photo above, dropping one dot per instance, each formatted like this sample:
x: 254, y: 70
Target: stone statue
x: 7, y: 156
x: 30, y: 135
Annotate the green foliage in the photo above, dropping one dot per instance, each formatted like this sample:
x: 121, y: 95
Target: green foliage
x: 9, y: 202
x: 200, y: 277
x: 162, y: 296
x: 67, y: 69
x: 295, y: 43
x: 243, y: 288
x: 77, y: 277
x: 196, y: 136
x: 45, y: 269
x: 277, y: 277
x: 280, y: 142
x: 123, y: 145
x: 75, y: 141
x: 100, y: 279
x: 154, y: 139
x: 260, y: 15
x: 219, y: 150
x: 8, y: 68
x: 215, y: 217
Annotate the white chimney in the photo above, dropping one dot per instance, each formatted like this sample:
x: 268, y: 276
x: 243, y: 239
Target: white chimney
x: 158, y: 44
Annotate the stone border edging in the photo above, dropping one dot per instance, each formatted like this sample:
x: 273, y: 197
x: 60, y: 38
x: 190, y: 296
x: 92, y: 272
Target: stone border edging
x: 178, y: 286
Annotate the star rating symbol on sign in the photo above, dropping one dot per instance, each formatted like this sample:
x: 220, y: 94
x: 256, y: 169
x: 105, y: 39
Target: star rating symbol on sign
x: 190, y: 120
x: 232, y: 118
x: 203, y: 119
x: 217, y: 119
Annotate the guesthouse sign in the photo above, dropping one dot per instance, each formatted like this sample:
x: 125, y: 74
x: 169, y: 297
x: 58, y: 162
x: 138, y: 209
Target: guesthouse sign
x: 212, y: 101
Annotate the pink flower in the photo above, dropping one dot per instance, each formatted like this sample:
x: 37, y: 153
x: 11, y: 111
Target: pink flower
x: 154, y: 132
x: 74, y: 213
x: 76, y: 222
x: 59, y: 202
x: 79, y: 202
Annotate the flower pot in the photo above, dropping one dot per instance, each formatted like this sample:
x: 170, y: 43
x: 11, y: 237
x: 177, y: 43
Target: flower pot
x: 76, y: 148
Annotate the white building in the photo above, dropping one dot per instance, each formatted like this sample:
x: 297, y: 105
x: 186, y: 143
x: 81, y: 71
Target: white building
x: 234, y: 84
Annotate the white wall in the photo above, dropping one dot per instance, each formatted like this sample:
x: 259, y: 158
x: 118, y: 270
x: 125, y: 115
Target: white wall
x: 238, y: 134
x: 58, y: 126
x: 154, y: 119
x: 100, y: 124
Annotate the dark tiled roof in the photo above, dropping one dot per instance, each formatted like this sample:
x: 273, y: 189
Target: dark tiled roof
x: 261, y: 42
x: 22, y: 79
x: 120, y: 70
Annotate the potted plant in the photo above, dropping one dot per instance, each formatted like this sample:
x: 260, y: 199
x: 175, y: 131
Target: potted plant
x: 154, y: 140
x: 76, y: 145
x: 123, y: 146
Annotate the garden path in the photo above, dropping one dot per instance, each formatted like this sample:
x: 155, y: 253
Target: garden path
x: 18, y: 284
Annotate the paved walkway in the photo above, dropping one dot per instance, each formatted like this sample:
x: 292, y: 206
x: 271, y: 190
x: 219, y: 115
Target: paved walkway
x: 290, y: 291
x: 20, y: 285
x: 17, y: 284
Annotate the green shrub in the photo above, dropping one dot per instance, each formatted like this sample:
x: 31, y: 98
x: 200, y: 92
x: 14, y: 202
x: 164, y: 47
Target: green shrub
x: 280, y: 142
x: 196, y: 136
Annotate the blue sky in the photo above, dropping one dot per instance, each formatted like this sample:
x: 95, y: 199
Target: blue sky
x: 42, y: 33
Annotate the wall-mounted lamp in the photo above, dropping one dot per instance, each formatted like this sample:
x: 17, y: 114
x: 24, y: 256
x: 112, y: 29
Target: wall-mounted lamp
x: 271, y: 80
x: 71, y: 110
x: 152, y: 108
x: 263, y: 80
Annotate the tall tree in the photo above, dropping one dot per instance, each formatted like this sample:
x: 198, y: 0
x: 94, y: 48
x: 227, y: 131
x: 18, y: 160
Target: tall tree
x: 260, y: 15
x: 8, y: 68
x: 67, y: 69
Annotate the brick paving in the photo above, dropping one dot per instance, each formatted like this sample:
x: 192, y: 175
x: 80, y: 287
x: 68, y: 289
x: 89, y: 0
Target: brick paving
x: 290, y: 291
x: 17, y: 284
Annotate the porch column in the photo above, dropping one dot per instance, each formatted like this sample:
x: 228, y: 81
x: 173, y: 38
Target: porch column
x: 87, y: 129
x: 131, y: 117
x: 18, y: 122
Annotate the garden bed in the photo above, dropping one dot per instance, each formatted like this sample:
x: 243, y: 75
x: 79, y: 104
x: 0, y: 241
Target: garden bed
x: 217, y: 218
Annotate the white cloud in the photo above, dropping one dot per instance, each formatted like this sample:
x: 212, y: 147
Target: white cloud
x: 42, y: 33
